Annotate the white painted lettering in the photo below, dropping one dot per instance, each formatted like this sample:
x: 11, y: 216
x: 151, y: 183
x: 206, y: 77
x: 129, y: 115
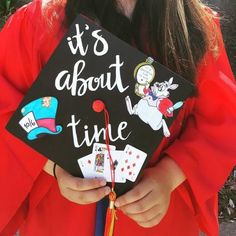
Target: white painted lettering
x: 103, y: 44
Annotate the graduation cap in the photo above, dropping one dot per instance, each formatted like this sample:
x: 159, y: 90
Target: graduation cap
x: 94, y: 90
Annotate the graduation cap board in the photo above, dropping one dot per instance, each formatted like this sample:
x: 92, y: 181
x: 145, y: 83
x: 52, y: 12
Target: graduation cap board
x: 57, y: 119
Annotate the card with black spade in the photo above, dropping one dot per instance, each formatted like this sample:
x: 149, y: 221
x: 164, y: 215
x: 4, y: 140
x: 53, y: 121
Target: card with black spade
x: 142, y: 98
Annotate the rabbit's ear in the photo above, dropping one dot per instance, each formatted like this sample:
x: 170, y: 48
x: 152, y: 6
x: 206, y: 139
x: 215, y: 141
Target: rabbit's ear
x: 174, y: 86
x: 170, y: 81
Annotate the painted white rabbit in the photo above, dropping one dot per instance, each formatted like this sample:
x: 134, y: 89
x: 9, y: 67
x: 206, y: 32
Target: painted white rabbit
x: 149, y: 108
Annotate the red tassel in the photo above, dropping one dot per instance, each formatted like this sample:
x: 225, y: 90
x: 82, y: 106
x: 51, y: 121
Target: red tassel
x: 99, y: 106
x: 111, y: 215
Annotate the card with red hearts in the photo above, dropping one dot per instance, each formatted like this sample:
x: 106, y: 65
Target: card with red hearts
x: 127, y: 163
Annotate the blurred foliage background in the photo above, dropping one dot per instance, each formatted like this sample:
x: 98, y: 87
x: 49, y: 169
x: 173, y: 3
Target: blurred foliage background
x: 7, y: 7
x: 227, y: 11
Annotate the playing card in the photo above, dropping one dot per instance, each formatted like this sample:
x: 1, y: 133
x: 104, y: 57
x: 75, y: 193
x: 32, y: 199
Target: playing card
x: 100, y: 147
x: 86, y: 165
x: 99, y: 150
x: 93, y: 165
x: 133, y: 162
x: 118, y: 161
x: 99, y: 164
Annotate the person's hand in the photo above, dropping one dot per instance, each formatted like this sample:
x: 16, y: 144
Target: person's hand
x: 148, y: 202
x: 80, y: 190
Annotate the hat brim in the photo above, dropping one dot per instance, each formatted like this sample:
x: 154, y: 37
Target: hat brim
x: 37, y: 132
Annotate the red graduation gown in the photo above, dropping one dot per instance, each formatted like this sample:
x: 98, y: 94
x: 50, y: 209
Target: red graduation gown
x: 202, y: 143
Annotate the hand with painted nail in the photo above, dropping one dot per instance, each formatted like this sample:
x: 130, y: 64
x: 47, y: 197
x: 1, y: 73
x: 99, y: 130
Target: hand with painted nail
x: 80, y: 190
x: 148, y: 202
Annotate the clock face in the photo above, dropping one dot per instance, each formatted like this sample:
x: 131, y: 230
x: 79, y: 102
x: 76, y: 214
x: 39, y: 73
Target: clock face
x: 145, y: 74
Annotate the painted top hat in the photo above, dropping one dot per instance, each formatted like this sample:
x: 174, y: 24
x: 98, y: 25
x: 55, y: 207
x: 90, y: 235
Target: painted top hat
x: 39, y: 118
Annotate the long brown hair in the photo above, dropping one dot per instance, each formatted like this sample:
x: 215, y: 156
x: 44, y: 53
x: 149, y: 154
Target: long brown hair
x: 177, y: 33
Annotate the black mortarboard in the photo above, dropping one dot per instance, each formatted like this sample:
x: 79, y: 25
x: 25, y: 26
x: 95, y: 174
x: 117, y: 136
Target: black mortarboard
x: 57, y: 117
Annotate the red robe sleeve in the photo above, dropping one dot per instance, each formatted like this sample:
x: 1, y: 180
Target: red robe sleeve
x: 20, y: 166
x: 206, y: 150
